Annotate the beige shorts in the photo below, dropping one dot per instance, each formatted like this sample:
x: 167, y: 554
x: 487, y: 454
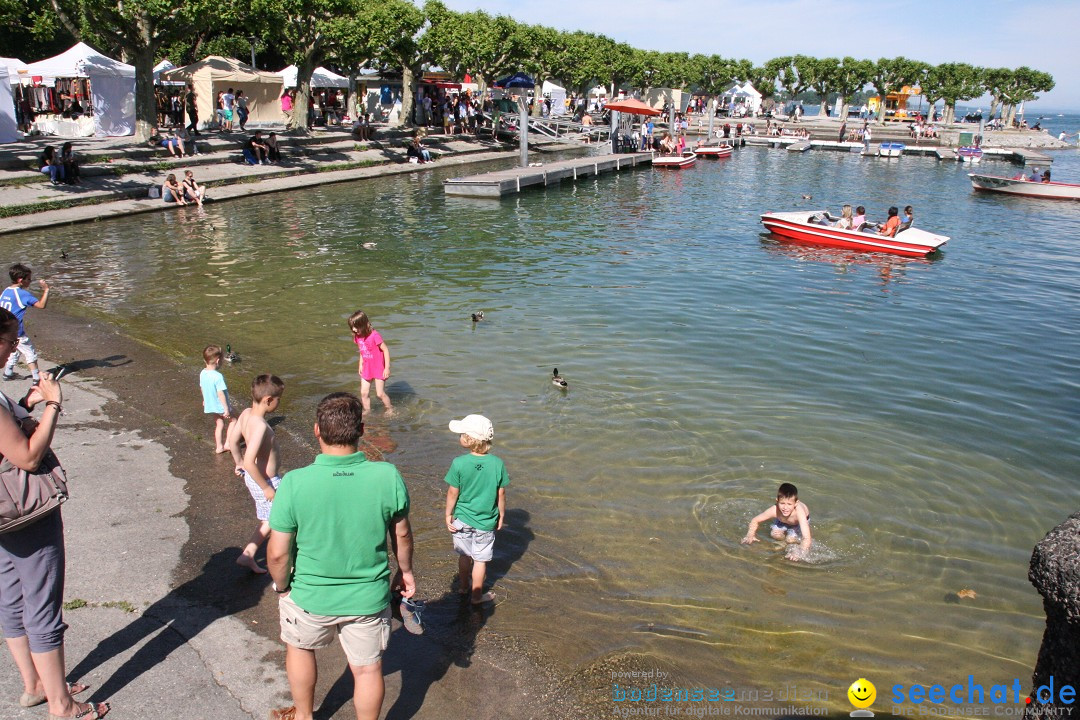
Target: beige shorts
x: 363, y: 637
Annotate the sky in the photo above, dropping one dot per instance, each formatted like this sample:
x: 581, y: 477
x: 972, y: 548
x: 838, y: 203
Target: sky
x: 1042, y: 34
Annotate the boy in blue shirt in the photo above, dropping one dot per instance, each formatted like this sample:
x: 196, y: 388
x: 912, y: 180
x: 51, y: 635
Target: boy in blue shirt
x: 216, y: 397
x: 475, y: 504
x: 16, y: 299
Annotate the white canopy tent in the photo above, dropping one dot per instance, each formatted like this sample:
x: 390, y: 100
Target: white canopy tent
x: 9, y: 130
x: 745, y: 95
x: 214, y: 74
x: 14, y: 65
x: 320, y: 78
x: 112, y: 85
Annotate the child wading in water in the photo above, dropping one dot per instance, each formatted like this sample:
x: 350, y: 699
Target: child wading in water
x: 258, y: 463
x: 374, y: 360
x: 791, y: 521
x: 475, y: 504
x: 216, y: 397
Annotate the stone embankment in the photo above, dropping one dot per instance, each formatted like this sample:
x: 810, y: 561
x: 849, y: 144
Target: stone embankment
x: 1055, y: 573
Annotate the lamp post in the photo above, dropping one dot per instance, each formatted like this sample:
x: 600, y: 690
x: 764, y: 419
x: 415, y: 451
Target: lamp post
x: 251, y: 41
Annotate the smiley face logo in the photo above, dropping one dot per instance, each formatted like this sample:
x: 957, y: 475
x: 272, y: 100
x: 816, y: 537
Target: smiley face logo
x: 862, y: 693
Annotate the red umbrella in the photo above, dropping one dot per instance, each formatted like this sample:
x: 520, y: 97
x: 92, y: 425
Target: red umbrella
x: 632, y: 106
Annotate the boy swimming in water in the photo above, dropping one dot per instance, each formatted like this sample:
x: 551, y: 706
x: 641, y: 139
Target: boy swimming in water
x: 791, y: 520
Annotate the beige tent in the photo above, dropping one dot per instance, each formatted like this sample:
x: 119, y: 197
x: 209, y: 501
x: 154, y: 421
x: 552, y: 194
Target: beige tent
x: 216, y: 74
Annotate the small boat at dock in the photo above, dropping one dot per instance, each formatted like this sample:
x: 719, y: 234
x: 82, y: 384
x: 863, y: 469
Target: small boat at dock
x: 969, y: 154
x: 890, y: 149
x: 1025, y: 188
x: 713, y: 151
x: 675, y: 162
x: 816, y: 228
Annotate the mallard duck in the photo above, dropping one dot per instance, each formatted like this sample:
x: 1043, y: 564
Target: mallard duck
x: 557, y: 379
x: 230, y: 356
x: 478, y: 316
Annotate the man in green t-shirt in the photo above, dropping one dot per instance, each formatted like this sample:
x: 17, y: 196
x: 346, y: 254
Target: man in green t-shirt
x: 333, y: 517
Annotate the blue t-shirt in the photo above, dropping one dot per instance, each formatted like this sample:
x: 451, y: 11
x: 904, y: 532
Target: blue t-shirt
x: 16, y: 300
x: 211, y: 381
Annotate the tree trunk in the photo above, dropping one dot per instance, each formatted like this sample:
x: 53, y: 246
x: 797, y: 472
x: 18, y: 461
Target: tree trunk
x: 843, y: 110
x: 408, y: 96
x: 824, y: 108
x: 995, y: 103
x: 1012, y: 116
x: 353, y: 106
x: 145, y: 102
x: 304, y: 69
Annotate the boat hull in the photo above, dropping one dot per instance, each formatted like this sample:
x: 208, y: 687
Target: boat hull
x: 969, y: 154
x: 1025, y: 188
x: 795, y: 226
x: 675, y: 162
x: 721, y: 151
x: 890, y: 149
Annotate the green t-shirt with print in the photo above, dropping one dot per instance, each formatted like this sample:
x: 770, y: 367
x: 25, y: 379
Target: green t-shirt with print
x: 339, y: 509
x: 478, y: 479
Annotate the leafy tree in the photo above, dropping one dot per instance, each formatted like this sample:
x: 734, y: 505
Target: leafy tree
x: 763, y: 78
x: 953, y: 82
x: 822, y: 76
x: 1024, y: 85
x: 394, y: 40
x: 994, y: 81
x: 548, y: 55
x: 891, y: 74
x: 586, y: 63
x: 851, y: 77
x: 793, y: 74
x: 137, y: 28
x: 475, y: 42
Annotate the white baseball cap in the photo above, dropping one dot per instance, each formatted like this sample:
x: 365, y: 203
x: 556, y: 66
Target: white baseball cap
x: 476, y: 426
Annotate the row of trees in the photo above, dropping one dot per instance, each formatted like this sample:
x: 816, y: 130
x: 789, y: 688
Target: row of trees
x: 400, y: 36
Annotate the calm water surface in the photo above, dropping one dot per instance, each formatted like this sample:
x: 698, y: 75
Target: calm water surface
x: 926, y: 410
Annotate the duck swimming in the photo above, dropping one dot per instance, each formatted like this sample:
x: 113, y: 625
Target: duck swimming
x: 230, y: 356
x: 478, y: 316
x: 557, y: 379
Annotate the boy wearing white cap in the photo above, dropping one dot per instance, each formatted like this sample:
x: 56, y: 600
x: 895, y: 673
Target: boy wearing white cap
x: 475, y: 504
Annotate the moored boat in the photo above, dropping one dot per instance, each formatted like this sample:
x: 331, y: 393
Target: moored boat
x: 675, y: 162
x: 1025, y: 188
x: 713, y: 151
x: 969, y: 154
x: 891, y: 149
x: 807, y: 227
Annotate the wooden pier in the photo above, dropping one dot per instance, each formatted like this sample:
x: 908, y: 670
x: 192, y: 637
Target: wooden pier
x: 504, y: 182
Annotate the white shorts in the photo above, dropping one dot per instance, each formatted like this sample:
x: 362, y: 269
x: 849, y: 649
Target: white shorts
x: 26, y: 349
x: 363, y: 637
x: 262, y: 505
x: 477, y: 544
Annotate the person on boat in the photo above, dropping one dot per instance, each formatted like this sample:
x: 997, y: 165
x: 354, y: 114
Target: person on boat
x: 860, y: 218
x: 909, y: 218
x: 846, y: 221
x: 1046, y: 175
x: 667, y: 145
x: 892, y: 224
x: 1035, y: 176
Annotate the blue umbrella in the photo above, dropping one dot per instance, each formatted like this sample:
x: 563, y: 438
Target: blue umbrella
x: 517, y: 80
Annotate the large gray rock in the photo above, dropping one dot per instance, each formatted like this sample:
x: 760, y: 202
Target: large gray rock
x: 1055, y: 573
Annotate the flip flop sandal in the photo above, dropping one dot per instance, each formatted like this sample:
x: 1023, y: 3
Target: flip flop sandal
x: 28, y: 700
x: 283, y: 713
x: 90, y: 713
x: 410, y: 615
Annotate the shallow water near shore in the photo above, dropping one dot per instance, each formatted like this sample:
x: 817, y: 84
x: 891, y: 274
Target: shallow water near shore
x: 925, y: 409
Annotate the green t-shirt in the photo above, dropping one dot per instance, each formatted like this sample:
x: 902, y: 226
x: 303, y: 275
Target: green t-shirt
x: 478, y: 479
x: 339, y: 509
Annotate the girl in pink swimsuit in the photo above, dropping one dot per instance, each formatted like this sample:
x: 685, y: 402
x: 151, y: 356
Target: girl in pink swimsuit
x: 374, y: 360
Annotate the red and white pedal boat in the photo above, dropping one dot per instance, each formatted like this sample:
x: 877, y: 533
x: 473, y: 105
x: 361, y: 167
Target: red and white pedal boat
x: 799, y: 226
x: 713, y: 151
x: 675, y: 162
x: 1026, y: 188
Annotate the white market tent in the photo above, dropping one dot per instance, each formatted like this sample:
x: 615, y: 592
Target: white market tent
x: 215, y: 74
x: 320, y: 78
x: 14, y: 65
x: 112, y: 85
x: 9, y: 130
x: 745, y: 95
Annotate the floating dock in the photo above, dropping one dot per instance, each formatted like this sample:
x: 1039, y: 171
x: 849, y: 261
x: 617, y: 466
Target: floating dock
x: 1023, y: 156
x: 505, y: 182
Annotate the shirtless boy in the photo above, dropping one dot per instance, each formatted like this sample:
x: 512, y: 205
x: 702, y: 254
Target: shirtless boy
x: 791, y: 520
x: 259, y: 463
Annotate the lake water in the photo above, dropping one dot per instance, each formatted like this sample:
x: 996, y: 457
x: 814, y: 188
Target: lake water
x: 927, y: 410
